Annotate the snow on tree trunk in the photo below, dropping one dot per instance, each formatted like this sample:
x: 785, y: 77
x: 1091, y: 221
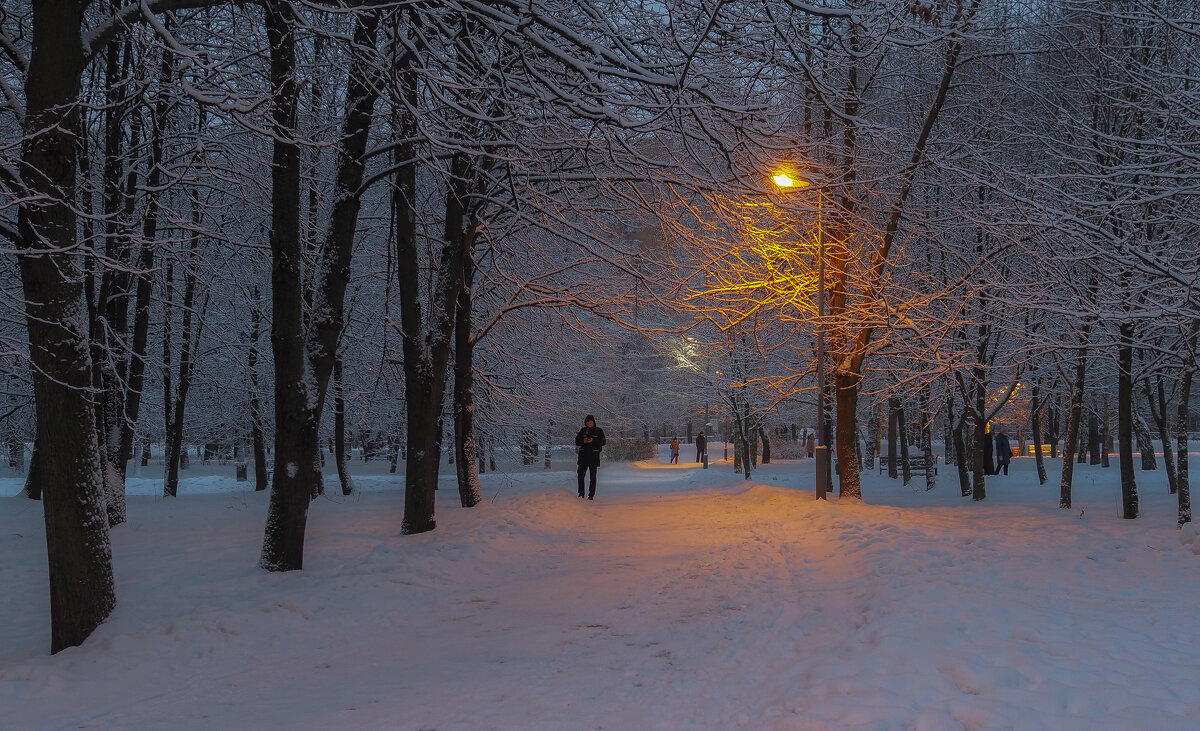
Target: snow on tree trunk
x: 470, y: 491
x: 82, y: 593
x: 846, y: 390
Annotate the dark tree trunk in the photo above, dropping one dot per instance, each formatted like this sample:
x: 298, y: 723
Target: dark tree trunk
x: 470, y: 492
x: 1156, y: 400
x: 1186, y: 374
x: 33, y: 481
x: 927, y: 440
x: 188, y: 345
x: 902, y: 428
x: 872, y: 441
x: 339, y: 430
x: 1129, y: 494
x: 893, y: 435
x: 141, y: 317
x: 257, y: 437
x: 1145, y: 442
x: 295, y: 477
x: 1035, y: 411
x: 960, y: 457
x: 110, y: 326
x: 299, y: 390
x: 1094, y: 438
x: 1074, y: 417
x: 766, y: 445
x: 69, y: 458
x: 427, y: 336
x: 846, y: 395
x: 983, y: 439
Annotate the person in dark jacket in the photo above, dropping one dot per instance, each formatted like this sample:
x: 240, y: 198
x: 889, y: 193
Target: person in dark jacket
x: 590, y: 441
x: 1003, y: 452
x: 701, y: 446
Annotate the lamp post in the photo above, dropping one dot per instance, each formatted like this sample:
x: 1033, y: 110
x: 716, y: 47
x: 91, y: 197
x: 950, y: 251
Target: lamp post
x: 783, y: 180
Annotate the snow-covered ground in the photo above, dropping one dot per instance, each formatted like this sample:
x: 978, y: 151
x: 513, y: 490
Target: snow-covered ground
x: 679, y: 599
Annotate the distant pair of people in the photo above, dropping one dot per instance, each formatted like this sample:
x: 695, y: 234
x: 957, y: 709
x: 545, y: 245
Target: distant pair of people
x: 701, y: 448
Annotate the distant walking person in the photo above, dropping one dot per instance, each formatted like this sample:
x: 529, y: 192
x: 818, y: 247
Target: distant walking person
x: 701, y: 446
x: 590, y: 441
x: 675, y: 450
x: 1003, y: 452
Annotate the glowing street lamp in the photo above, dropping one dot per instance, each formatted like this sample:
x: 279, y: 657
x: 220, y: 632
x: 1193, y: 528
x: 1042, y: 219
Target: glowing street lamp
x: 784, y: 180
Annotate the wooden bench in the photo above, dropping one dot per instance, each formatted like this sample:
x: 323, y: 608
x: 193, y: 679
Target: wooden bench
x: 1045, y: 450
x: 916, y: 465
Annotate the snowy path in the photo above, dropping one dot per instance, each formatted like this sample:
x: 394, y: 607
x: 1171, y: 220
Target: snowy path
x: 681, y: 598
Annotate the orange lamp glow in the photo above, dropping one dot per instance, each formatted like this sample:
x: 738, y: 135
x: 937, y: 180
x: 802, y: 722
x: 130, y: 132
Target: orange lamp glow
x: 783, y: 180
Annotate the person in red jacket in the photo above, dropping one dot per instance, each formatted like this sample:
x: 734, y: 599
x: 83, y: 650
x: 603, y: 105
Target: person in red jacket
x: 590, y: 441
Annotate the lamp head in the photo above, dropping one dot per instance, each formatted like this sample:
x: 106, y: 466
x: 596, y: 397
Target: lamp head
x: 783, y: 180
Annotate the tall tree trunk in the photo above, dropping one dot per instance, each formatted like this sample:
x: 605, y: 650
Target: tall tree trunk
x: 1094, y: 438
x: 296, y: 473
x: 339, y: 430
x: 1074, y: 417
x: 1145, y: 442
x: 927, y: 440
x: 983, y: 439
x: 256, y: 416
x: 960, y: 456
x: 1186, y: 374
x: 427, y: 336
x: 470, y: 492
x: 33, y: 481
x: 872, y: 443
x: 1035, y: 418
x: 77, y: 542
x: 1129, y: 494
x: 1156, y: 401
x: 305, y: 352
x: 110, y: 328
x: 766, y: 444
x: 141, y: 318
x: 187, y: 350
x: 849, y: 478
x: 902, y: 429
x: 893, y: 436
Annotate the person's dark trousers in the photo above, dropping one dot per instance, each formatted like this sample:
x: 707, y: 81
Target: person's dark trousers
x: 592, y: 485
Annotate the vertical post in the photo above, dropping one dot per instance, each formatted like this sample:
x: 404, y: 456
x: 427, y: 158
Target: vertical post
x: 822, y: 452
